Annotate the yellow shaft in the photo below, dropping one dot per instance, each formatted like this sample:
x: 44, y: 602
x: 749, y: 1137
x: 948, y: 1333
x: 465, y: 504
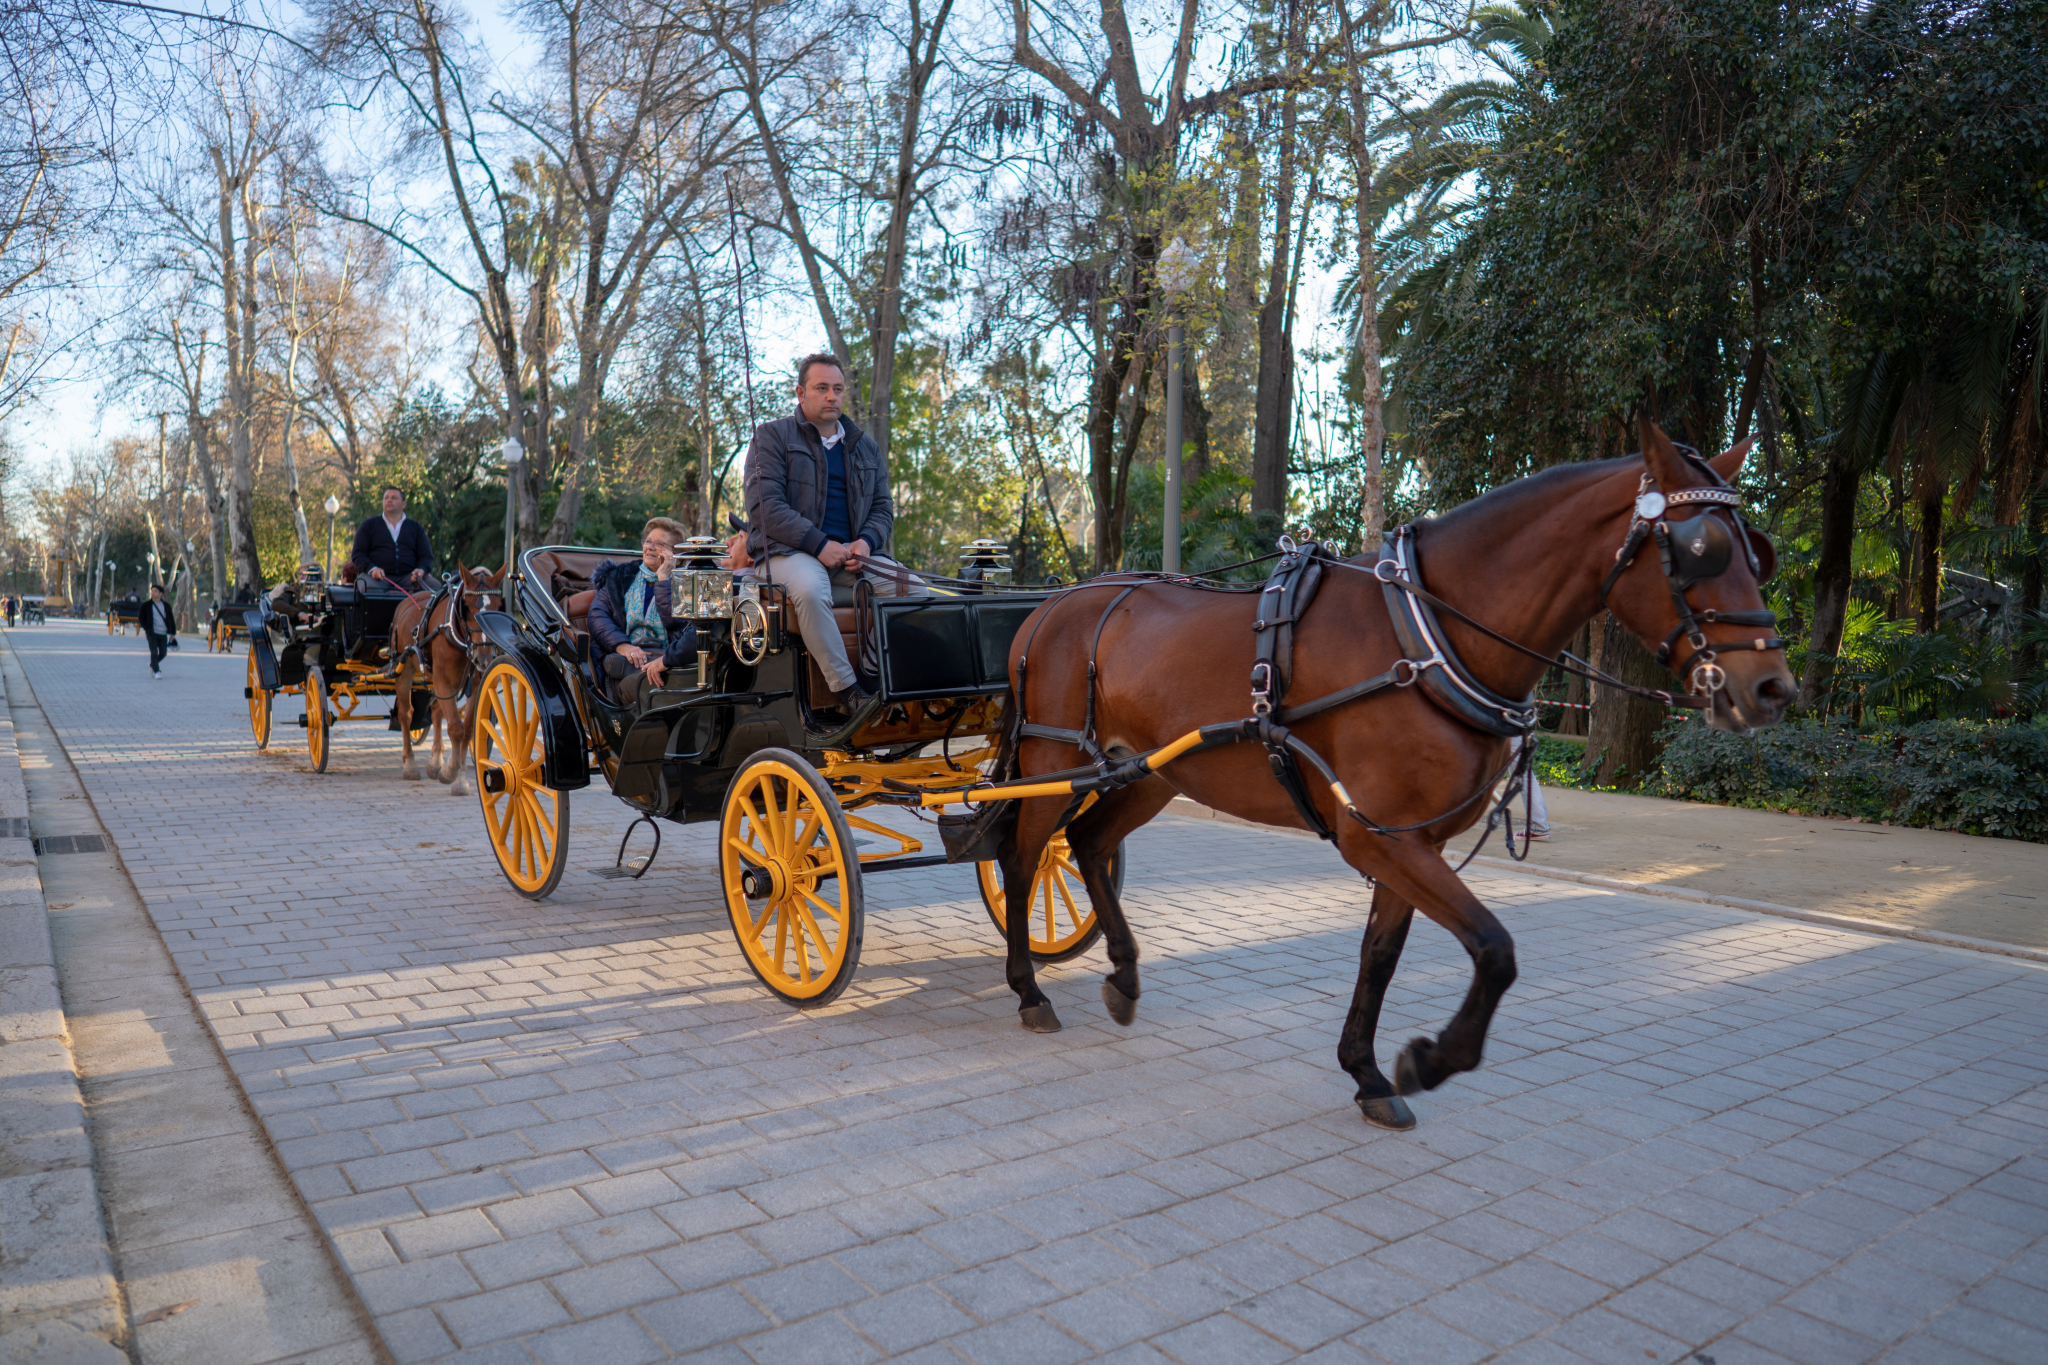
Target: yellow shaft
x: 1151, y: 763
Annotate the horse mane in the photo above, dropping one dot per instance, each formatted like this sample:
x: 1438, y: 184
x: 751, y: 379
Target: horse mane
x: 1545, y: 485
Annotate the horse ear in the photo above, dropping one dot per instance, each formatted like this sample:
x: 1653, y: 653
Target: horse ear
x: 1662, y: 459
x: 1729, y: 462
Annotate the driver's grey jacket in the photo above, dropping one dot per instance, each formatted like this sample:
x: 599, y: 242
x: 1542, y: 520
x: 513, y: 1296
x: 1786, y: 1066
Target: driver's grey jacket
x: 786, y: 488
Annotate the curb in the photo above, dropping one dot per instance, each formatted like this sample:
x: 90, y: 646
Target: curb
x: 1181, y: 805
x: 56, y: 1264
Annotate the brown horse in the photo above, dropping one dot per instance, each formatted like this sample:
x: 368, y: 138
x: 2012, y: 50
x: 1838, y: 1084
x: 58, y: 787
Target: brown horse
x: 441, y: 630
x: 1528, y: 560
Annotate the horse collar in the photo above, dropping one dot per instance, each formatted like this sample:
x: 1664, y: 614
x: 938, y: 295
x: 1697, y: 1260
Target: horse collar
x: 1436, y: 664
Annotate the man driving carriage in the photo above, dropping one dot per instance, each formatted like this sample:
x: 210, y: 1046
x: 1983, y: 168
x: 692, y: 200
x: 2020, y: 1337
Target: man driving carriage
x: 632, y: 632
x: 392, y: 547
x: 819, y: 513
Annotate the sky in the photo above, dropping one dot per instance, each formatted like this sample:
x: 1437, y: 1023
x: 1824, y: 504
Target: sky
x: 76, y: 410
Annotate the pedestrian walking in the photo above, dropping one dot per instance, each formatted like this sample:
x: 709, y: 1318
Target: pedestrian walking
x: 160, y: 628
x: 13, y: 605
x: 1538, y: 812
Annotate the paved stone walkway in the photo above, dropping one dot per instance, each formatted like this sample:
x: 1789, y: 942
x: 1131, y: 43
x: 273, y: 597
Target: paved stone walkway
x: 577, y: 1131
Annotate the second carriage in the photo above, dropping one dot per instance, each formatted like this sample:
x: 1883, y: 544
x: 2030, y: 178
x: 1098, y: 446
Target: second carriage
x: 328, y: 644
x: 743, y: 738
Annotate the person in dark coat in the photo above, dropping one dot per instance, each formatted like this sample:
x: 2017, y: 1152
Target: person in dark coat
x: 819, y: 513
x: 159, y: 627
x: 633, y: 637
x: 392, y: 546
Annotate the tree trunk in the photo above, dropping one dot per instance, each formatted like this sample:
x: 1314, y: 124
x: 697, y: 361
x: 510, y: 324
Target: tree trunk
x: 1372, y: 424
x: 1623, y: 734
x: 1929, y: 584
x: 1197, y: 421
x: 1272, y: 420
x: 1576, y: 690
x: 1831, y: 573
x: 2030, y: 584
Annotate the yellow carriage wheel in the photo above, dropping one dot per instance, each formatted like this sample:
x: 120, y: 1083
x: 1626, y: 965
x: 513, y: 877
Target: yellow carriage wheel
x: 259, y: 703
x: 316, y: 719
x: 792, y: 878
x: 528, y: 822
x: 1063, y: 923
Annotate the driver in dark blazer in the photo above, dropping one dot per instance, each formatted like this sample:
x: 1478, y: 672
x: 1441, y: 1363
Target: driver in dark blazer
x: 392, y: 546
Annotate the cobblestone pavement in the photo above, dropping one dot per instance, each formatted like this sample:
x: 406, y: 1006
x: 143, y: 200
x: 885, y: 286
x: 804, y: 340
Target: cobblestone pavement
x: 577, y: 1131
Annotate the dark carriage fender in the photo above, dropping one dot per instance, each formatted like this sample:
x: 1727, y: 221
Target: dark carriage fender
x: 259, y: 645
x: 563, y: 763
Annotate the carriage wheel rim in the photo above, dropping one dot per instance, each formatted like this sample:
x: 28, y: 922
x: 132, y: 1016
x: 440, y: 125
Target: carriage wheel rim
x: 259, y: 703
x: 1060, y: 914
x: 524, y: 817
x: 316, y: 720
x: 799, y: 938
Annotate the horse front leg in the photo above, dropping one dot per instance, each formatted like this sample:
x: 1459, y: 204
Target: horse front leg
x: 1379, y: 953
x: 460, y: 719
x: 1415, y: 871
x: 402, y: 705
x: 1095, y: 837
x: 1019, y: 859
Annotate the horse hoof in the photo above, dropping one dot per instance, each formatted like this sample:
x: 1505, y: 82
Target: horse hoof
x: 1039, y: 1019
x: 1387, y: 1111
x: 409, y: 774
x: 1122, y: 1008
x: 458, y: 788
x: 1407, y: 1076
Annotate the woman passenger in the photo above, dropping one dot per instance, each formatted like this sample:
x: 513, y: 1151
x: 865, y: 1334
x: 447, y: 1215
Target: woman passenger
x: 632, y: 632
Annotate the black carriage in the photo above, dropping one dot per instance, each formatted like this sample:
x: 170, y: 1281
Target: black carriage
x: 743, y: 739
x: 227, y: 623
x: 32, y: 610
x: 328, y: 643
x: 124, y: 613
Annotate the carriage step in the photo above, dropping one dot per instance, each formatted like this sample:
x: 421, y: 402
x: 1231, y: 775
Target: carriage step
x: 632, y: 869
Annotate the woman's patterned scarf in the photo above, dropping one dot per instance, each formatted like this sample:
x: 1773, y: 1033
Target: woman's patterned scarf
x: 643, y: 617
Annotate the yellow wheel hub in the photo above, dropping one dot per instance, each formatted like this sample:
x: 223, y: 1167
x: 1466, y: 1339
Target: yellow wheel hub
x: 791, y: 879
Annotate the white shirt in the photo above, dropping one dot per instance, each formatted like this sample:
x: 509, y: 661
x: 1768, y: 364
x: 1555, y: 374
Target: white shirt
x: 829, y: 441
x: 394, y: 525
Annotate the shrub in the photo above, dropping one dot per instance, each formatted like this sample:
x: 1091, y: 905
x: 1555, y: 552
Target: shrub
x: 1974, y: 776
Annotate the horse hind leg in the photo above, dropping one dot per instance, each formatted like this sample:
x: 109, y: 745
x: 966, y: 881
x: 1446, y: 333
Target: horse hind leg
x: 1019, y: 859
x: 1378, y: 954
x: 1095, y: 838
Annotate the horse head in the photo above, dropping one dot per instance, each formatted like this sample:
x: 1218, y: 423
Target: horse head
x: 1687, y: 580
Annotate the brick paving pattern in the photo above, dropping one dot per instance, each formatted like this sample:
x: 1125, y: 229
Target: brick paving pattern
x: 578, y: 1131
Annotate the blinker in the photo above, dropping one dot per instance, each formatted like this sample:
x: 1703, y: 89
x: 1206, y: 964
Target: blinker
x: 1701, y: 547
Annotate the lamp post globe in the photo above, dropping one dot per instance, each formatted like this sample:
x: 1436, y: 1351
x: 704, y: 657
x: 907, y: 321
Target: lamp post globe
x: 333, y: 505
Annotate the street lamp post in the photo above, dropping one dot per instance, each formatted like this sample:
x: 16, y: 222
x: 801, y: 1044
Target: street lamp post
x: 1179, y: 267
x: 515, y: 456
x: 333, y: 505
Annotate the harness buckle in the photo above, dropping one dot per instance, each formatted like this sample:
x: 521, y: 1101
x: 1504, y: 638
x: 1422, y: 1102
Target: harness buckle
x: 1262, y: 688
x: 1707, y: 678
x: 1414, y: 672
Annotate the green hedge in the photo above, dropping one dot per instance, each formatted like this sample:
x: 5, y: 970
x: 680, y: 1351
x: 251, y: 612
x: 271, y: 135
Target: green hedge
x: 1979, y: 777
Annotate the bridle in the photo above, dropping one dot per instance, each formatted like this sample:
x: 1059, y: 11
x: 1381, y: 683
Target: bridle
x: 1691, y: 551
x: 458, y: 591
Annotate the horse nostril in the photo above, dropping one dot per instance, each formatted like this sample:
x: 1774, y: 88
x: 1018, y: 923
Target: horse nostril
x: 1775, y: 690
